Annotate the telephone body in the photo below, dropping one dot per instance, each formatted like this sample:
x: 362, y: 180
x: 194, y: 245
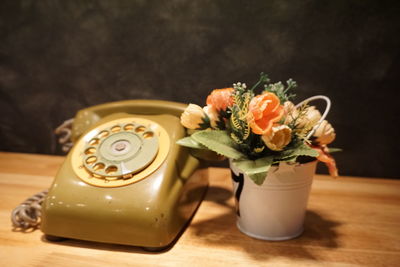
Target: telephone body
x: 126, y: 181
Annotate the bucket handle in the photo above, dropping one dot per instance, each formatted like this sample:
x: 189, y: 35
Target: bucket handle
x: 327, y: 108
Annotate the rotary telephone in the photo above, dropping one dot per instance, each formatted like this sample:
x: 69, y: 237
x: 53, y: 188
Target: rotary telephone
x: 125, y: 180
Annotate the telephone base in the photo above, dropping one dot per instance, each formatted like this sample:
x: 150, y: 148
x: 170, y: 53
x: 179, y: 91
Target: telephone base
x: 150, y: 207
x: 53, y: 238
x: 156, y: 249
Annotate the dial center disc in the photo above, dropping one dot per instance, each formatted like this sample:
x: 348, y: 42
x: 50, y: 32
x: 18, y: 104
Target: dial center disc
x: 119, y: 150
x: 120, y: 146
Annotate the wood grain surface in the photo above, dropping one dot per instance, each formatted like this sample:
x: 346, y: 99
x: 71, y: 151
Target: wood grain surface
x: 349, y: 222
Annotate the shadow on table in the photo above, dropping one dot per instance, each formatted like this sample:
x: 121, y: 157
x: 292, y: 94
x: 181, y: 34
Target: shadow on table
x: 221, y: 230
x: 101, y: 246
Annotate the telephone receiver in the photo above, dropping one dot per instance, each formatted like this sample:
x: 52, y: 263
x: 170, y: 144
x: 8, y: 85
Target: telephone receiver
x: 125, y: 180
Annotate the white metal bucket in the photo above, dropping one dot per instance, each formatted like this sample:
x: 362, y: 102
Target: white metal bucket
x: 276, y: 209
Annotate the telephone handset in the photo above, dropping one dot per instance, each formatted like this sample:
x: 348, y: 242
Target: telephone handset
x: 89, y: 116
x: 125, y: 180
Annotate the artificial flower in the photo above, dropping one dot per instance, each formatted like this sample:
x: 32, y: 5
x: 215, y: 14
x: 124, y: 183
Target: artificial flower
x: 264, y: 110
x: 212, y: 114
x: 258, y: 130
x: 278, y: 138
x: 326, y: 158
x: 310, y: 119
x: 220, y: 99
x: 290, y: 112
x: 325, y: 133
x: 193, y: 117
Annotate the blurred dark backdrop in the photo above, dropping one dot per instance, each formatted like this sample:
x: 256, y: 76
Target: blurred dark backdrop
x: 57, y: 57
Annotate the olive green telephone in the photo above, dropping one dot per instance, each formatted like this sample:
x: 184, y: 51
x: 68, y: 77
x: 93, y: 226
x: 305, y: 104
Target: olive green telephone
x: 125, y: 181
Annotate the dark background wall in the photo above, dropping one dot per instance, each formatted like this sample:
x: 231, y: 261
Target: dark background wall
x: 57, y: 57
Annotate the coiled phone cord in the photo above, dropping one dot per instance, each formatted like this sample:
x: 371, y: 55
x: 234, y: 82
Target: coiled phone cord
x: 27, y: 214
x: 64, y: 132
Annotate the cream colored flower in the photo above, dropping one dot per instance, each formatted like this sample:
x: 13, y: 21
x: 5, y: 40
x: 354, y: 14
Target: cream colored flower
x: 290, y: 112
x: 310, y: 119
x: 325, y: 133
x: 313, y: 115
x: 278, y: 138
x: 192, y: 117
x: 212, y: 114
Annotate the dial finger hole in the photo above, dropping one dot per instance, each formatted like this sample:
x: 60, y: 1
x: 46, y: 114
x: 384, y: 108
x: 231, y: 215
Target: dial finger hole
x: 94, y: 141
x: 140, y: 129
x: 116, y: 129
x: 98, y: 167
x: 103, y: 134
x: 127, y: 176
x: 91, y: 160
x: 90, y: 151
x: 148, y: 135
x: 111, y: 169
x: 113, y: 178
x: 129, y: 127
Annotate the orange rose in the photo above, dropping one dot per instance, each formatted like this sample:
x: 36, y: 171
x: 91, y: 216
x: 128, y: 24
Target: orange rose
x: 264, y: 110
x: 221, y: 99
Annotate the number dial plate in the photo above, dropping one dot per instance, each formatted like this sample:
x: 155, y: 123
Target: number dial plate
x: 120, y: 152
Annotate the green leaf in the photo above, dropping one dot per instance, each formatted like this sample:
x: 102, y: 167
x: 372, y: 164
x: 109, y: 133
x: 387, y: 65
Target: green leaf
x: 190, y: 142
x: 256, y: 169
x: 288, y: 159
x: 280, y: 91
x: 258, y: 178
x: 334, y: 149
x: 205, y: 124
x: 206, y: 154
x: 301, y: 150
x: 263, y: 79
x: 218, y: 141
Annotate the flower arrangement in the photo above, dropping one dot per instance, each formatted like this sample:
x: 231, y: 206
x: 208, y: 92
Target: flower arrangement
x: 258, y: 130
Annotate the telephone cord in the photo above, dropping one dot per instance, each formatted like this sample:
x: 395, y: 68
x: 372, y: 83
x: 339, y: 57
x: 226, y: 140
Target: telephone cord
x: 27, y: 215
x: 64, y: 131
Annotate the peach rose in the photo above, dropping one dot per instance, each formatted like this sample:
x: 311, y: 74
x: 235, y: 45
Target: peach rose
x: 278, y: 138
x: 264, y: 110
x: 325, y: 134
x: 221, y: 99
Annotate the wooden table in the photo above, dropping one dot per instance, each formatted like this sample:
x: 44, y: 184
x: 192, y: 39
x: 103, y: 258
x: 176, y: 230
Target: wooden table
x: 350, y: 221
